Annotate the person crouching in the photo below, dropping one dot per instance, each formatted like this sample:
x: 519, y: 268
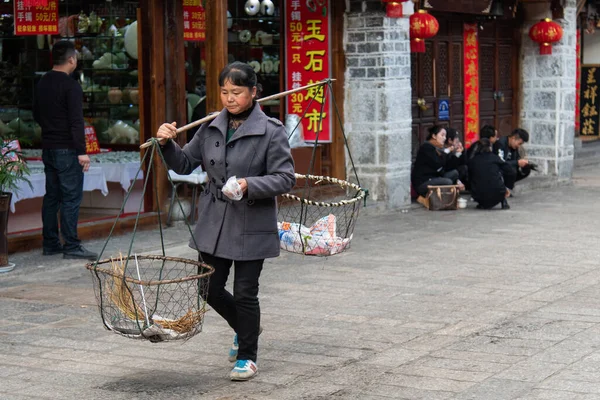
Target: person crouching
x: 489, y: 177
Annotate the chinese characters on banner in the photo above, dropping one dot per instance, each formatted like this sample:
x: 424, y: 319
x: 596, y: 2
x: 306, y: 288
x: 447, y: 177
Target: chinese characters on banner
x: 91, y: 140
x: 471, y: 76
x: 307, y: 61
x: 39, y: 20
x: 578, y: 82
x: 194, y: 21
x: 589, y: 118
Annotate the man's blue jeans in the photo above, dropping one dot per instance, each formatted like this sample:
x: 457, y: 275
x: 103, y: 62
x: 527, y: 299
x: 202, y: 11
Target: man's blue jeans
x: 64, y: 191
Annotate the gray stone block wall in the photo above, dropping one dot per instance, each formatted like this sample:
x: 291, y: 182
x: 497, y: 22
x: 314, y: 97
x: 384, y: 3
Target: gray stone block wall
x: 548, y: 97
x: 377, y: 108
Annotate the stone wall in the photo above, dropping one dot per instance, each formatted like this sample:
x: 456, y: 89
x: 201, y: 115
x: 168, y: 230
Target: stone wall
x: 377, y: 108
x: 548, y: 95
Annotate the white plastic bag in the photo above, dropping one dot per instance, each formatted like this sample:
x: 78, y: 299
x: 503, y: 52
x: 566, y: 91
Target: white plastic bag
x: 232, y: 189
x: 294, y: 130
x: 320, y: 239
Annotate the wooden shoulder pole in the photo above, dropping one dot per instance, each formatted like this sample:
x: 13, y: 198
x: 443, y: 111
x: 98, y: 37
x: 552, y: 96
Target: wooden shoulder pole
x: 216, y: 114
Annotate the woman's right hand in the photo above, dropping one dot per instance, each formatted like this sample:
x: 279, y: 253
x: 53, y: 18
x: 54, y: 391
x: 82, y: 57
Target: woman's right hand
x: 167, y: 131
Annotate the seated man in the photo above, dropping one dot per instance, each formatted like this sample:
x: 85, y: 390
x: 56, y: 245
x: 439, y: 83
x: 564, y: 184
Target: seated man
x: 509, y: 149
x: 490, y: 177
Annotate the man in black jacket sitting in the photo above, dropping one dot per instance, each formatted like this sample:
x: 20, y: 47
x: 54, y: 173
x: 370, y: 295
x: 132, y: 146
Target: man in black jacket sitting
x: 507, y: 148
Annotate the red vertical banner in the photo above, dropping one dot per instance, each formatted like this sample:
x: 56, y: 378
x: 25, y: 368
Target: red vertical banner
x: 307, y: 51
x: 194, y: 21
x: 471, y: 82
x: 578, y: 82
x: 38, y: 20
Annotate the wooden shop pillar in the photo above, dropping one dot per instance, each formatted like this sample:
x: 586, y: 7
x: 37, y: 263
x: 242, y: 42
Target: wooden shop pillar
x: 163, y: 82
x: 216, y: 51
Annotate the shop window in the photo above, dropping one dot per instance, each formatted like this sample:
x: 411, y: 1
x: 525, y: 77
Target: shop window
x: 254, y: 37
x: 105, y: 36
x: 195, y: 83
x: 107, y: 69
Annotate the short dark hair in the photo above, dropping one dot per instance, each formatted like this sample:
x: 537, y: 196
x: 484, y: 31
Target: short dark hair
x: 61, y: 51
x: 522, y: 133
x: 239, y: 74
x: 487, y: 132
x: 434, y: 130
x: 451, y: 134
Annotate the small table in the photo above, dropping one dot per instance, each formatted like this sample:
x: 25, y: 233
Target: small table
x: 93, y: 179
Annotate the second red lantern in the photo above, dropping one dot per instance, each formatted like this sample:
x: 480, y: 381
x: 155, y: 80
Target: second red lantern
x: 393, y: 8
x: 545, y: 33
x: 422, y: 26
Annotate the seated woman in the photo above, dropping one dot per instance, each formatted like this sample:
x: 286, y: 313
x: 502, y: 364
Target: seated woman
x: 457, y: 156
x: 489, y: 177
x: 430, y: 167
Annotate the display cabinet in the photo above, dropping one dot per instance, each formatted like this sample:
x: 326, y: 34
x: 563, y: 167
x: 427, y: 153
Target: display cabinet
x: 254, y: 37
x: 105, y: 35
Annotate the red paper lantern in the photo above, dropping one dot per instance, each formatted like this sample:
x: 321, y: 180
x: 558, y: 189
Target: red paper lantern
x: 393, y: 8
x: 545, y: 33
x: 422, y: 26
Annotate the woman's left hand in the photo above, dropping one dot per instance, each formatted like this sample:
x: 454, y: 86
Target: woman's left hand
x: 243, y: 184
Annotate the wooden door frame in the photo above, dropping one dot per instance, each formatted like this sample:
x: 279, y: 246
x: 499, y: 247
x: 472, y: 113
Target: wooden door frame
x: 449, y: 38
x: 516, y: 73
x: 163, y: 84
x: 216, y: 51
x: 338, y: 68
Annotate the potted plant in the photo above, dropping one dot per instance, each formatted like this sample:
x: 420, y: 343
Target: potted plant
x: 13, y: 171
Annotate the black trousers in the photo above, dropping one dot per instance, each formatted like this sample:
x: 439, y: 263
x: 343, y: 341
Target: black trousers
x: 242, y: 309
x: 64, y: 192
x: 520, y: 174
x: 490, y: 200
x: 523, y: 173
x: 449, y: 178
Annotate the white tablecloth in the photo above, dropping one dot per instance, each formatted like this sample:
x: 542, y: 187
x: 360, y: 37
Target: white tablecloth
x: 94, y: 179
x: 118, y: 166
x: 124, y: 173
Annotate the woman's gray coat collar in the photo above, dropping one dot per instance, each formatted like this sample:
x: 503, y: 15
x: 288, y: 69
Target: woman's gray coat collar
x: 255, y: 125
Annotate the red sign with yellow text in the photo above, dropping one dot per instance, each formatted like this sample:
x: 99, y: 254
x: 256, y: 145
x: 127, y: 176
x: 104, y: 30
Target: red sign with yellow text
x: 38, y: 20
x: 194, y: 21
x: 307, y: 61
x: 91, y: 141
x: 471, y: 56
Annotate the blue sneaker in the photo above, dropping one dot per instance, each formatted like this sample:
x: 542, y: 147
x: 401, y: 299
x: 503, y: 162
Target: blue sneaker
x: 233, y: 352
x: 243, y: 370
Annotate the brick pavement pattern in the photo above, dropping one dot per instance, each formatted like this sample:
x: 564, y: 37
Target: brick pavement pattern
x: 469, y: 304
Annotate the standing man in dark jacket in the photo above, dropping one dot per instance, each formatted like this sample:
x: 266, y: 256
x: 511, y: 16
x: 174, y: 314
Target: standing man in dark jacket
x: 58, y: 108
x: 490, y: 176
x: 507, y: 148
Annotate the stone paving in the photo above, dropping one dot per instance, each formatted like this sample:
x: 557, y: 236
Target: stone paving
x: 447, y: 305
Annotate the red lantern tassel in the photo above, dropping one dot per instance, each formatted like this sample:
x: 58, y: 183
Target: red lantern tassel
x: 394, y: 10
x: 417, y: 45
x: 545, y: 49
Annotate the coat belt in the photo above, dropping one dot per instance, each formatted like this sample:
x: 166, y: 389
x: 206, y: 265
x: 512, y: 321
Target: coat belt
x: 218, y: 193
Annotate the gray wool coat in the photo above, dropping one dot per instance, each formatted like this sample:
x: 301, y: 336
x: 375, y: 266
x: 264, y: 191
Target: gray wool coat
x: 258, y: 151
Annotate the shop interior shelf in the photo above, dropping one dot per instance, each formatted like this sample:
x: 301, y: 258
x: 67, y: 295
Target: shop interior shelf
x: 258, y: 18
x: 268, y: 46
